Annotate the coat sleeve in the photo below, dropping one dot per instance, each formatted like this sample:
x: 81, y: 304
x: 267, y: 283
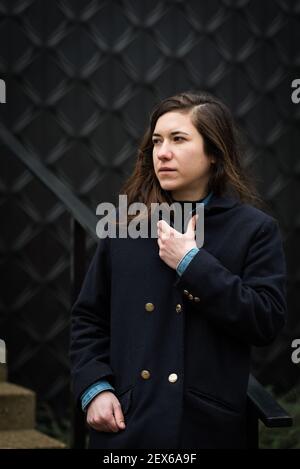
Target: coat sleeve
x: 251, y: 307
x: 90, y: 325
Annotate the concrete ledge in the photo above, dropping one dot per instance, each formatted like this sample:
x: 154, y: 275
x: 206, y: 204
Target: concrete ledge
x: 17, y: 407
x: 28, y: 439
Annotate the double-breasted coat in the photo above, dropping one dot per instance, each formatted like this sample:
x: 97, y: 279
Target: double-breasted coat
x: 177, y: 349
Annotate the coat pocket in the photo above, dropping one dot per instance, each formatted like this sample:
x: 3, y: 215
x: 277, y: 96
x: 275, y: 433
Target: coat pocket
x: 125, y: 398
x: 213, y: 401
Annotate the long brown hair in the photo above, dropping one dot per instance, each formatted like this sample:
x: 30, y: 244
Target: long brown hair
x: 214, y: 122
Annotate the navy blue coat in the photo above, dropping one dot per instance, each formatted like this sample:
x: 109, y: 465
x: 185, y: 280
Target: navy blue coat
x: 180, y: 367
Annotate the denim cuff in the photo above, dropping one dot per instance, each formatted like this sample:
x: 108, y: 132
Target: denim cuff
x: 182, y: 265
x: 93, y: 390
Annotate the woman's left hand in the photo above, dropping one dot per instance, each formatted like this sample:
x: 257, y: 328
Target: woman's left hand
x: 173, y: 245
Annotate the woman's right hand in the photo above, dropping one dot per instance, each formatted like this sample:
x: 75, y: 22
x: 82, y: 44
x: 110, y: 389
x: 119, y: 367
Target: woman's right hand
x: 104, y: 413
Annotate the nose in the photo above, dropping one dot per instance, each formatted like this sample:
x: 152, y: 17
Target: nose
x: 164, y: 152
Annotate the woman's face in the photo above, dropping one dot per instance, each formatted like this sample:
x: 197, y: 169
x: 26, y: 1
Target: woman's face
x: 180, y: 164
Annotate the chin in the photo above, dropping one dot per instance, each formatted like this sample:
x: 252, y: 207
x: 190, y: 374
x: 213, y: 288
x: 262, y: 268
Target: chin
x: 169, y: 185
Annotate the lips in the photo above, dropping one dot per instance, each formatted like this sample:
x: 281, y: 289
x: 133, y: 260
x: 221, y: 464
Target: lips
x: 166, y: 170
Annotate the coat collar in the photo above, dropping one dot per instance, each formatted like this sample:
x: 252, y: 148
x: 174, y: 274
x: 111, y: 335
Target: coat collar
x: 218, y: 202
x: 221, y: 202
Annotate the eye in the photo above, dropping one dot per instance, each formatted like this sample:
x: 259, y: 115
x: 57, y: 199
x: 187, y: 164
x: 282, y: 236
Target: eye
x: 178, y: 137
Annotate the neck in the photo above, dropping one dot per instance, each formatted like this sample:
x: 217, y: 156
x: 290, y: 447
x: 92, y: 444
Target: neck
x: 184, y: 197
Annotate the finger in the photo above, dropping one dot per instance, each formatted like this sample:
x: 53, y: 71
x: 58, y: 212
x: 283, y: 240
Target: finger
x: 112, y: 424
x: 107, y: 427
x: 98, y: 426
x: 164, y: 226
x: 192, y: 225
x: 166, y: 231
x: 110, y: 420
x: 162, y: 235
x: 119, y: 417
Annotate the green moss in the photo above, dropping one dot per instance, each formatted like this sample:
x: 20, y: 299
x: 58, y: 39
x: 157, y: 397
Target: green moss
x: 288, y: 437
x: 50, y: 424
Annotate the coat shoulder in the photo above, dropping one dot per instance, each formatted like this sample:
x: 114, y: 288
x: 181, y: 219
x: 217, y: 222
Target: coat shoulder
x: 254, y: 216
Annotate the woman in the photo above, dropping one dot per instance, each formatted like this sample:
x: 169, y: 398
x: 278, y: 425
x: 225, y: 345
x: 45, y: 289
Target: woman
x: 162, y: 328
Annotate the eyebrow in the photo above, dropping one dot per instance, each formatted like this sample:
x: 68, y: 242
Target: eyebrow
x: 171, y: 133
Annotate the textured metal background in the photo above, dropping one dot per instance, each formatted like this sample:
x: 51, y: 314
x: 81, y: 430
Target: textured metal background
x: 81, y: 79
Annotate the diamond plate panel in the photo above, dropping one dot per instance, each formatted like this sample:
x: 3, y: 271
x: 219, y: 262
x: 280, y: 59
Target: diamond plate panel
x: 82, y: 78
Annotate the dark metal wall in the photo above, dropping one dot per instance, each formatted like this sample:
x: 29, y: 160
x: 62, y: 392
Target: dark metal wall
x: 81, y: 79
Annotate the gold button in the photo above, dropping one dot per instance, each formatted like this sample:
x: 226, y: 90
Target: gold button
x: 178, y: 308
x: 196, y: 299
x: 190, y: 297
x: 173, y: 378
x: 149, y: 307
x: 145, y: 374
x: 185, y: 292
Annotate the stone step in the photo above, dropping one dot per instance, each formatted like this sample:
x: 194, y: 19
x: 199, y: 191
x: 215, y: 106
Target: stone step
x: 3, y: 372
x: 28, y: 439
x: 17, y: 407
